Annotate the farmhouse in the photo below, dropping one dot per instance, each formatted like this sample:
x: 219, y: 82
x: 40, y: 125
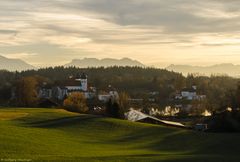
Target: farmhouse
x: 137, y: 116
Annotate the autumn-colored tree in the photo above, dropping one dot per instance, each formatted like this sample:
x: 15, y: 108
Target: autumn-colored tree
x: 123, y: 102
x: 26, y: 92
x: 198, y: 107
x: 76, y: 102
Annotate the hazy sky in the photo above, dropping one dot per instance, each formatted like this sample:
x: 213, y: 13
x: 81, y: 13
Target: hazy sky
x: 158, y: 32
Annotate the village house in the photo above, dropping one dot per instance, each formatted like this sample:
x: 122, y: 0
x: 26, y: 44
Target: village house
x: 189, y: 94
x: 55, y: 92
x: 104, y: 97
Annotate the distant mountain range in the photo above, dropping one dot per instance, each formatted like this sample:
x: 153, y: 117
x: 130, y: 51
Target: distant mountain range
x: 20, y: 65
x: 14, y: 64
x: 220, y: 69
x: 93, y: 62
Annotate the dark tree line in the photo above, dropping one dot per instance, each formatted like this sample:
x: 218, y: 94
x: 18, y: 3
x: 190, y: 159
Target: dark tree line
x: 221, y: 91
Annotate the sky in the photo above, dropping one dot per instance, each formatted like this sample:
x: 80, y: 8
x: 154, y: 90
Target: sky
x: 155, y: 32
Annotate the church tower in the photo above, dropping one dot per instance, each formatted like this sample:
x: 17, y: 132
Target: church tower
x: 84, y: 83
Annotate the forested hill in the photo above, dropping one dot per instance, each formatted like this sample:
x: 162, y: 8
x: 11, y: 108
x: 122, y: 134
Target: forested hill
x: 136, y: 81
x: 124, y: 78
x: 118, y: 77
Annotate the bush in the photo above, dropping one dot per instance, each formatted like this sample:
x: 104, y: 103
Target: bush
x: 76, y: 102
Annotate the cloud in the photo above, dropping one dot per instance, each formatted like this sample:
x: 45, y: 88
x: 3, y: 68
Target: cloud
x: 174, y: 15
x: 5, y: 31
x: 20, y: 55
x: 64, y: 29
x: 112, y: 21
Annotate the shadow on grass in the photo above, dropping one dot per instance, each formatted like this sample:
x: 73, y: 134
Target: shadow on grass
x: 117, y: 158
x: 62, y: 121
x: 187, y: 143
x: 151, y: 158
x: 178, y: 144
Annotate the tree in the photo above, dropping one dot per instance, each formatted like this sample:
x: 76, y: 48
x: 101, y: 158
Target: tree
x: 5, y: 93
x: 116, y: 107
x: 198, y: 107
x: 76, y: 102
x: 123, y: 102
x: 112, y: 108
x: 179, y: 82
x: 26, y: 92
x: 237, y: 102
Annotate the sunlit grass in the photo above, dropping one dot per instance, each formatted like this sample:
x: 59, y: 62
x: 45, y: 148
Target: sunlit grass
x: 57, y: 135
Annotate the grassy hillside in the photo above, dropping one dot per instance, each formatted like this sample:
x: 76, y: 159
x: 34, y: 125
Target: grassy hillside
x: 57, y: 135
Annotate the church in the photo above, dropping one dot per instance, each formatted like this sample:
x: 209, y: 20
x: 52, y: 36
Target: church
x: 72, y: 84
x: 81, y: 83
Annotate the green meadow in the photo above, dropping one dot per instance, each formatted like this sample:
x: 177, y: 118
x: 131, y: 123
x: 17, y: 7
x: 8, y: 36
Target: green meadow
x: 58, y: 135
